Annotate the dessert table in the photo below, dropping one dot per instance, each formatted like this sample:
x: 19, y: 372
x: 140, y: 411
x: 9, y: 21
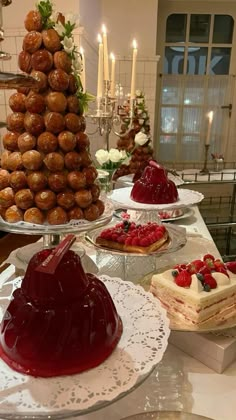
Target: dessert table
x: 179, y: 382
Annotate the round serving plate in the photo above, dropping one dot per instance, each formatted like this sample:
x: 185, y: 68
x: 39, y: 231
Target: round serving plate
x: 121, y: 198
x: 74, y: 226
x: 165, y: 215
x: 177, y: 239
x: 166, y: 415
x: 141, y: 347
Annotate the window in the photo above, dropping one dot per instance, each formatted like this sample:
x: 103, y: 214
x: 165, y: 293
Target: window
x: 198, y: 44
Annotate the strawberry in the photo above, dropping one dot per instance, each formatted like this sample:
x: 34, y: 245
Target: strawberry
x: 208, y: 257
x: 204, y: 270
x: 218, y: 263
x: 221, y: 270
x: 231, y: 266
x: 208, y: 279
x: 194, y: 266
x: 183, y: 279
x: 180, y: 267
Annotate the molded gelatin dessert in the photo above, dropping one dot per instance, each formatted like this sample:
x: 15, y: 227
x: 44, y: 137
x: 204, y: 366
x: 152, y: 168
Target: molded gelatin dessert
x: 61, y: 323
x: 154, y: 187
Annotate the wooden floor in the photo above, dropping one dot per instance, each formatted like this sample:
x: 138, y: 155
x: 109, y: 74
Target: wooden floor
x: 11, y: 241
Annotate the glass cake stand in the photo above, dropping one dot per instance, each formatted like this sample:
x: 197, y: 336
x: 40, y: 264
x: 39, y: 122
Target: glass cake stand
x: 53, y: 234
x: 133, y: 266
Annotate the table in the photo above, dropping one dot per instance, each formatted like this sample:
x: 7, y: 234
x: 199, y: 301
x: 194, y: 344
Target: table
x: 179, y: 382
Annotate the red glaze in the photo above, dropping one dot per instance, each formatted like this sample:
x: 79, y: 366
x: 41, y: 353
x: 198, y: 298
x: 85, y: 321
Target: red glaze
x: 61, y: 323
x: 154, y: 187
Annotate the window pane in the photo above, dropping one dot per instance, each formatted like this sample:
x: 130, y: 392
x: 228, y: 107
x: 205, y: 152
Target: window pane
x: 223, y: 29
x: 174, y: 60
x: 167, y: 149
x: 190, y: 149
x: 197, y: 60
x: 176, y: 28
x: 194, y: 91
x: 199, y: 28
x: 171, y: 92
x: 192, y: 120
x: 220, y: 60
x: 169, y: 120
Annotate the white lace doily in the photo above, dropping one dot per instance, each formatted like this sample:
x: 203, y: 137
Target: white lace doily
x: 141, y: 347
x: 121, y: 197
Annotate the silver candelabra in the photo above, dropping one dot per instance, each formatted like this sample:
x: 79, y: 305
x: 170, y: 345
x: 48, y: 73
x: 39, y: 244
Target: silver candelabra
x: 107, y: 118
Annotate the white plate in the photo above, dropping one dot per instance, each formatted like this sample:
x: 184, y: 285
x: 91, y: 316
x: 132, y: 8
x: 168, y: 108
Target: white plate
x: 121, y: 197
x: 183, y: 213
x: 166, y: 415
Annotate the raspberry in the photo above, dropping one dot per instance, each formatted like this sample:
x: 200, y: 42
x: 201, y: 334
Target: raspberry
x: 208, y: 279
x: 183, y: 279
x: 144, y: 242
x: 128, y: 240
x: 135, y: 241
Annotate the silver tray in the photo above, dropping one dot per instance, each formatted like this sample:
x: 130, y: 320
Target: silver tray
x: 177, y: 240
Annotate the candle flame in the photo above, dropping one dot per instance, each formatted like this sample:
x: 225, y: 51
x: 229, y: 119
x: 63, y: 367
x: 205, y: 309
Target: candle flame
x: 210, y: 116
x: 112, y: 57
x: 134, y: 43
x: 99, y: 39
x: 104, y: 29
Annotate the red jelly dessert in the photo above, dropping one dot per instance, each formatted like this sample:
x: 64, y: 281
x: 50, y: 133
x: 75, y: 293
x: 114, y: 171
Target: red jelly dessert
x: 154, y: 187
x: 61, y: 323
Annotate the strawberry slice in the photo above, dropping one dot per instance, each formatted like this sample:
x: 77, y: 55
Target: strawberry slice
x: 208, y: 279
x: 183, y: 279
x: 231, y: 266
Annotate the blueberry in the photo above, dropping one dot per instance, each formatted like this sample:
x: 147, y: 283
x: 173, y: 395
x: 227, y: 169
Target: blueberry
x: 200, y: 276
x: 175, y: 273
x: 206, y: 287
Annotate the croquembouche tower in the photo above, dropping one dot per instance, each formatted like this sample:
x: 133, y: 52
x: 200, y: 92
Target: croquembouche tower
x: 46, y: 173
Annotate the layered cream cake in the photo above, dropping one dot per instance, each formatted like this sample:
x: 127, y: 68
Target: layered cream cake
x: 201, y: 293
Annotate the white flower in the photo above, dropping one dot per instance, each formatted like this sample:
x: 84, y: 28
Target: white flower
x: 54, y: 17
x: 138, y: 93
x: 140, y: 138
x: 68, y: 44
x: 72, y: 18
x: 77, y: 63
x: 59, y: 28
x: 115, y: 155
x: 123, y: 154
x: 102, y: 156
